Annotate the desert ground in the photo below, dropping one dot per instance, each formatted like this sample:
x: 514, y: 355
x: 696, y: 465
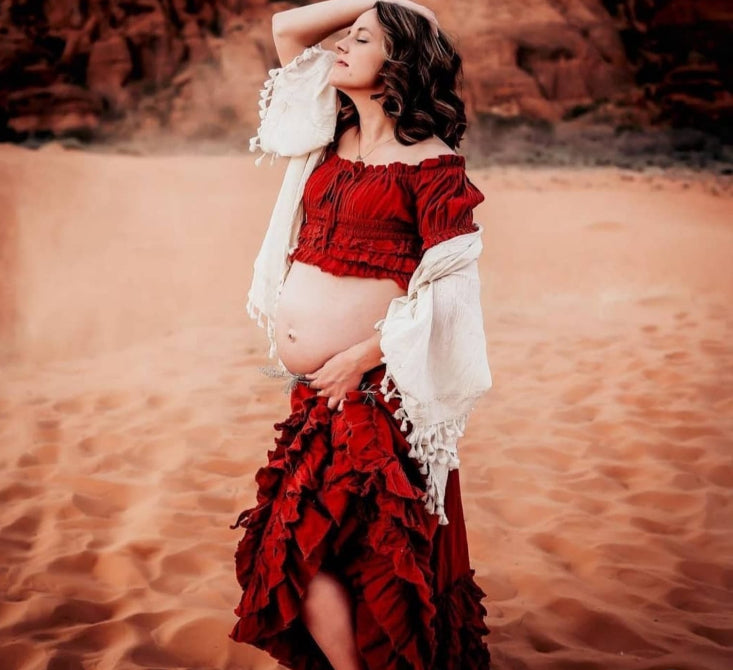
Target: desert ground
x: 596, y: 473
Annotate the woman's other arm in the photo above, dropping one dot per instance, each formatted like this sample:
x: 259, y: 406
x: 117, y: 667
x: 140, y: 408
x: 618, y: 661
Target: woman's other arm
x: 295, y: 29
x: 367, y: 354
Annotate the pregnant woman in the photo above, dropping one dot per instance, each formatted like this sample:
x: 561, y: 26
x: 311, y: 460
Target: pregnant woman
x: 355, y: 556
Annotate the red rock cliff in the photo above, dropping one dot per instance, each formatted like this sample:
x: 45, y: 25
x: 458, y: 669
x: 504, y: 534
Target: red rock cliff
x: 96, y: 69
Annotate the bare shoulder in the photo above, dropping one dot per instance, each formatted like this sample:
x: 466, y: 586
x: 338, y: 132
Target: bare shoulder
x: 431, y: 147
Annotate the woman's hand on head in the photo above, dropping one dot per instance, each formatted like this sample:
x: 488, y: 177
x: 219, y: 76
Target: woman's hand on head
x: 428, y: 13
x: 338, y: 375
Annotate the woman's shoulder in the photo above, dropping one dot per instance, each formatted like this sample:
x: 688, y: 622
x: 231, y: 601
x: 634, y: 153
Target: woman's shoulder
x: 432, y: 147
x: 423, y: 159
x: 427, y: 152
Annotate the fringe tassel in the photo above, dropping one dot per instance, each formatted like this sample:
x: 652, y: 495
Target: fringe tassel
x: 434, y: 447
x: 266, y: 97
x: 255, y: 313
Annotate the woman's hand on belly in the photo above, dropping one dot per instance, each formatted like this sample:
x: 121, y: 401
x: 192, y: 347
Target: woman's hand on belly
x: 338, y: 375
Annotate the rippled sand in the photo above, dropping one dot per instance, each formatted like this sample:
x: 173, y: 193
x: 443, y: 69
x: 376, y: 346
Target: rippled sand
x: 596, y: 474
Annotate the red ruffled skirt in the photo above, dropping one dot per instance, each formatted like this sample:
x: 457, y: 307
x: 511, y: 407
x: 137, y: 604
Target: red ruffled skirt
x: 340, y: 493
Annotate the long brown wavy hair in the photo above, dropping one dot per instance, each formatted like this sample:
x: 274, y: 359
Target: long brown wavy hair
x: 422, y: 75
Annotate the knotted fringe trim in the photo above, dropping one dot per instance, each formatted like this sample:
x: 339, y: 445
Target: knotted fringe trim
x: 428, y: 447
x: 266, y: 97
x: 258, y: 314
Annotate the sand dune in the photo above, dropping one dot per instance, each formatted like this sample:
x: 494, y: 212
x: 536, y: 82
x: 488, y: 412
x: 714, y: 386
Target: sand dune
x: 596, y: 473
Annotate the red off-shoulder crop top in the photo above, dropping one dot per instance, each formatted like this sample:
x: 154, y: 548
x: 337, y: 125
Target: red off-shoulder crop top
x: 377, y: 220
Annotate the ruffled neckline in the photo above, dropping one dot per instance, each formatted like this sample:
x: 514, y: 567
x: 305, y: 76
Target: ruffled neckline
x: 398, y: 167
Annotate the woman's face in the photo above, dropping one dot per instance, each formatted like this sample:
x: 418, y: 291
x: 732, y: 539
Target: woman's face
x: 361, y: 55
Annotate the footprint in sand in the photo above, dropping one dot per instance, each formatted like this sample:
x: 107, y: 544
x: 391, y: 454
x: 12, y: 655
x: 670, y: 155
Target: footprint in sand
x: 635, y: 554
x: 664, y: 376
x: 19, y: 536
x: 720, y: 475
x: 103, y: 508
x: 21, y: 654
x: 47, y: 430
x: 99, y: 637
x: 44, y: 454
x: 73, y: 405
x: 687, y: 481
x: 684, y: 431
x: 677, y: 454
x: 111, y: 401
x: 721, y: 636
x: 701, y: 599
x: 149, y: 655
x: 707, y: 573
x: 191, y: 638
x: 633, y: 577
x: 102, y: 444
x: 102, y: 497
x: 600, y: 630
x: 81, y: 562
x: 569, y: 555
x: 715, y: 347
x: 621, y: 474
x: 670, y: 502
x: 155, y: 401
x: 27, y: 461
x: 498, y: 588
x: 18, y: 492
x: 654, y: 527
x: 181, y: 571
x: 553, y: 459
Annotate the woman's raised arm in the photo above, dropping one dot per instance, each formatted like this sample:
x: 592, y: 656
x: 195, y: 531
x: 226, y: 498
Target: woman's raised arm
x: 295, y: 29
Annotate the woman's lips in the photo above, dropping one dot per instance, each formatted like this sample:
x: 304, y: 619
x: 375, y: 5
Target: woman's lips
x: 340, y: 62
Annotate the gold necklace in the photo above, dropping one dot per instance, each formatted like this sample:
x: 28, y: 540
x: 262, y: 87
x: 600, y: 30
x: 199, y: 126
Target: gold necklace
x: 359, y: 155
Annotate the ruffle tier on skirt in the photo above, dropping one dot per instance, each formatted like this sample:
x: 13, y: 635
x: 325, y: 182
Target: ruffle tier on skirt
x: 340, y: 493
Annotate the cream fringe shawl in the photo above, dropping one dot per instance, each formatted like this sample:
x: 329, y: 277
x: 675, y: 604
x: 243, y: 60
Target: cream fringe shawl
x: 432, y: 338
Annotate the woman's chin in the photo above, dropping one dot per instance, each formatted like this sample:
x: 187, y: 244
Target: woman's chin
x: 336, y: 82
x: 340, y: 81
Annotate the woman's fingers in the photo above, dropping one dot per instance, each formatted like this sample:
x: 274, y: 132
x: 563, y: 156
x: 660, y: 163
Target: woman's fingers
x: 334, y: 402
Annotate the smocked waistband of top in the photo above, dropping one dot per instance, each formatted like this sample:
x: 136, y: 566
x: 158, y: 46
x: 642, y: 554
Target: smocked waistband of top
x: 322, y: 215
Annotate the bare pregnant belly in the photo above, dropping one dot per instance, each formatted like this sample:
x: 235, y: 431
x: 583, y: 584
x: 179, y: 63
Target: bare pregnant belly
x: 320, y: 314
